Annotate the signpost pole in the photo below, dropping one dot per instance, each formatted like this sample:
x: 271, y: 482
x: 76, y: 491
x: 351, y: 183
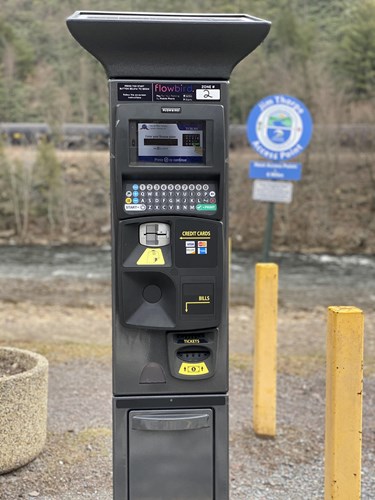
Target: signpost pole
x: 267, y: 242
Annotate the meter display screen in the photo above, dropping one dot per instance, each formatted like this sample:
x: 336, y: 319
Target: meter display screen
x: 164, y: 142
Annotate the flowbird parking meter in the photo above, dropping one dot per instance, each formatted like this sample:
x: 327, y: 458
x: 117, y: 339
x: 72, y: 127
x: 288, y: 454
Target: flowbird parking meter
x: 168, y: 84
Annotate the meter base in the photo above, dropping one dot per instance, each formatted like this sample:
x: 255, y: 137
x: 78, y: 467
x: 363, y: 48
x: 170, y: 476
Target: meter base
x: 164, y: 445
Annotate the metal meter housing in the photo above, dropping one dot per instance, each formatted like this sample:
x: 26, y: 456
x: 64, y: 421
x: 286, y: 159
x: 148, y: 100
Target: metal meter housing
x: 180, y: 286
x: 168, y: 84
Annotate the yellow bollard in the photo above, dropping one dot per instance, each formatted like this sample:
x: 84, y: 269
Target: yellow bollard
x: 343, y: 438
x: 265, y: 345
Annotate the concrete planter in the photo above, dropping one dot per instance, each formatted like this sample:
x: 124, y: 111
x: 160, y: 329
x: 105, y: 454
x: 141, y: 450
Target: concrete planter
x: 23, y: 409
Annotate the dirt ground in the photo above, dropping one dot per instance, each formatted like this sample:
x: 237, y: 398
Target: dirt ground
x: 72, y: 328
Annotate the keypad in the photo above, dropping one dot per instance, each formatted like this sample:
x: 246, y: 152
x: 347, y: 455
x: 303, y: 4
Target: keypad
x: 191, y: 140
x: 170, y: 197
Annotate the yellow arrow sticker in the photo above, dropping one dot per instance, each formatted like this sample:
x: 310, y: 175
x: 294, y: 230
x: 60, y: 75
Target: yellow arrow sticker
x: 151, y: 257
x: 201, y: 302
x: 192, y: 369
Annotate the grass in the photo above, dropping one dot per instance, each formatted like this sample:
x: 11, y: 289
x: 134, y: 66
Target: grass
x: 74, y: 447
x: 57, y: 353
x: 300, y: 365
x: 288, y: 364
x: 297, y: 365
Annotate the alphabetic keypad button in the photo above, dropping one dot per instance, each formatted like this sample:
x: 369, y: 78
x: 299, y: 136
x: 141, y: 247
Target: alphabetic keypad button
x: 169, y: 197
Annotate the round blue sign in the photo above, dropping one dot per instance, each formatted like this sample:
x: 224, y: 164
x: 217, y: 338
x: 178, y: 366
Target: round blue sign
x: 279, y: 127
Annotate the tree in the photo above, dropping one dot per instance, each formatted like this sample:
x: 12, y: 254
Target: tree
x: 354, y: 54
x: 49, y: 176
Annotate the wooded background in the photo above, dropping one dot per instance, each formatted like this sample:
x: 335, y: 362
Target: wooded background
x: 322, y: 52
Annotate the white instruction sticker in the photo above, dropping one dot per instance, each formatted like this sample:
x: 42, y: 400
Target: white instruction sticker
x: 208, y: 94
x: 135, y: 207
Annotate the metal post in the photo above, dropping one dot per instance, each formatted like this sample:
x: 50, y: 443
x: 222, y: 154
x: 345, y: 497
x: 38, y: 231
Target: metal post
x: 230, y: 267
x: 267, y: 242
x: 343, y: 440
x: 265, y: 347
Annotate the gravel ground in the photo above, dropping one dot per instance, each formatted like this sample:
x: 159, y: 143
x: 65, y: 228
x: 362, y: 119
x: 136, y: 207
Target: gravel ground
x: 76, y: 463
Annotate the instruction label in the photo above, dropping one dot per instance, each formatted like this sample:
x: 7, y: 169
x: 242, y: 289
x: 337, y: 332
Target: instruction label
x: 198, y: 298
x: 196, y: 244
x: 169, y: 92
x: 151, y: 257
x: 192, y: 369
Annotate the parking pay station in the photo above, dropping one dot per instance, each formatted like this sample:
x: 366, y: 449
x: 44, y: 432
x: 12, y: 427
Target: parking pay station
x: 168, y: 85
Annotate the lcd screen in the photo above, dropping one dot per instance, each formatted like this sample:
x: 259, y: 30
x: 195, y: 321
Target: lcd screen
x: 162, y: 142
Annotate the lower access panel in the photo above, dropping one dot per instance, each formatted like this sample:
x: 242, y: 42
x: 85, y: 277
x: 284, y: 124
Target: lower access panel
x: 170, y: 447
x: 171, y: 455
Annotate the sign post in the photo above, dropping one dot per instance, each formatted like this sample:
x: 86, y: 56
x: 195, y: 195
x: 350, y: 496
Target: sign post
x: 279, y: 127
x: 267, y: 242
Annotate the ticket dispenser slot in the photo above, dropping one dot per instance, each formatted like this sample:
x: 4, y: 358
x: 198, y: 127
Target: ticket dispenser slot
x: 192, y: 355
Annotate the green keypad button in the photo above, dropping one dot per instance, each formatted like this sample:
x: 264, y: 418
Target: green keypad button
x: 209, y: 207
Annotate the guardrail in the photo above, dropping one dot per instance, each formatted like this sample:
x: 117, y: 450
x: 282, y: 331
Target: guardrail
x: 81, y: 135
